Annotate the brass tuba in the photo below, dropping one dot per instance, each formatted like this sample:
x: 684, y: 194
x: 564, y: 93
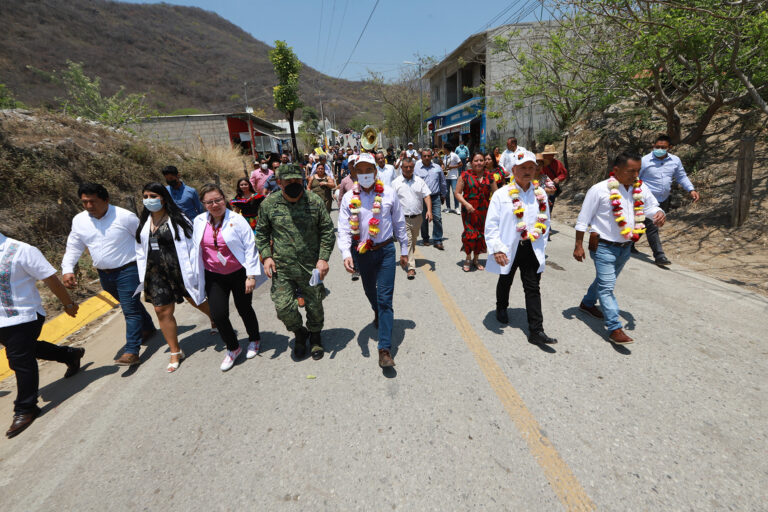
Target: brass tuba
x: 369, y: 138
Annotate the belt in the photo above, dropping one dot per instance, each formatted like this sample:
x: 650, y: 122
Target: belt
x: 412, y: 216
x: 388, y: 241
x: 615, y: 244
x: 118, y: 269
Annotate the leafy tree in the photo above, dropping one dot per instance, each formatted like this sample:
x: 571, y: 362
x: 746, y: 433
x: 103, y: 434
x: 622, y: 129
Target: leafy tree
x: 286, y: 92
x: 7, y: 100
x: 84, y: 98
x: 358, y: 122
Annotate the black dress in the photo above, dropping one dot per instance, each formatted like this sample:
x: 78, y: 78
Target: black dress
x: 163, y: 283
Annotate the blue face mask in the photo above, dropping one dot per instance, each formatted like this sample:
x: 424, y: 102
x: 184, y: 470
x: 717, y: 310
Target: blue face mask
x: 153, y: 204
x: 659, y: 153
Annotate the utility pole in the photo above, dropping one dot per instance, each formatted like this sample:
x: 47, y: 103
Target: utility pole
x: 245, y: 86
x: 322, y: 123
x: 421, y: 100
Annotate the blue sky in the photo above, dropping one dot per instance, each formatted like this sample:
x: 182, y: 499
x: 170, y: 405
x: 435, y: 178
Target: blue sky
x: 398, y: 31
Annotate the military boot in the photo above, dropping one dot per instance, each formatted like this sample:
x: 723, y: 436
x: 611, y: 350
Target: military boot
x: 300, y: 344
x: 316, y: 345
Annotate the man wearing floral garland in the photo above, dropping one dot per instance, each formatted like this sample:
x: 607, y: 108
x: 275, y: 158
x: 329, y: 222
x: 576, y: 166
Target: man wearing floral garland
x: 515, y: 233
x: 370, y: 219
x: 614, y: 210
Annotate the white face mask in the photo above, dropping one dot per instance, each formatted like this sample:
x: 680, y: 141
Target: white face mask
x: 366, y: 180
x: 264, y: 167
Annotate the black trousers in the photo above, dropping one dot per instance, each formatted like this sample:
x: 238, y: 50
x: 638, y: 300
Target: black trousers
x: 23, y: 350
x: 218, y: 287
x: 526, y: 261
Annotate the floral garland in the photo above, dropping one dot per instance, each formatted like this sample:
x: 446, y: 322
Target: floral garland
x: 355, y: 204
x: 618, y: 213
x: 539, y: 228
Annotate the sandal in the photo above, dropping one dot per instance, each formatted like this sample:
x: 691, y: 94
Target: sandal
x: 466, y: 267
x: 478, y: 266
x: 172, y: 367
x: 214, y: 329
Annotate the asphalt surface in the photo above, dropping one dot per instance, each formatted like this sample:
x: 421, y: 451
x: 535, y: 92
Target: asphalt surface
x: 474, y: 417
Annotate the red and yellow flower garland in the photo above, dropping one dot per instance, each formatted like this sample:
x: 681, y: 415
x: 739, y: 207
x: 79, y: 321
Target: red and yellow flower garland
x: 618, y: 213
x: 355, y: 204
x: 540, y: 227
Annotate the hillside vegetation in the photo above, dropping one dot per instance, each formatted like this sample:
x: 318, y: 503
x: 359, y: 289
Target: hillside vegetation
x: 184, y: 57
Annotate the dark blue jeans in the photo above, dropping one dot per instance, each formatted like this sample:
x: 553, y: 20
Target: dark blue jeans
x: 437, y: 221
x: 377, y: 271
x: 451, y: 189
x: 122, y: 286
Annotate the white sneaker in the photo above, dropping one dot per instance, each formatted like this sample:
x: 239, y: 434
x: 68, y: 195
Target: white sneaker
x: 229, y: 361
x: 253, y: 350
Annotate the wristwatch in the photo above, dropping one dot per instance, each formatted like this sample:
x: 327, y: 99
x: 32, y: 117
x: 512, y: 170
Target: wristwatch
x: 251, y: 277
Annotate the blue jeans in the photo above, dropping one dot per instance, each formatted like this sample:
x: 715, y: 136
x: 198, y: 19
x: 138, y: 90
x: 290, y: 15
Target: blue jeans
x: 609, y: 260
x: 437, y: 221
x: 122, y: 285
x: 377, y: 271
x: 451, y: 188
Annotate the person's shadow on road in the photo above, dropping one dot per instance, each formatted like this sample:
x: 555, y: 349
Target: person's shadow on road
x: 153, y: 344
x: 335, y: 340
x: 370, y: 333
x: 60, y: 390
x: 597, y: 325
x: 517, y: 318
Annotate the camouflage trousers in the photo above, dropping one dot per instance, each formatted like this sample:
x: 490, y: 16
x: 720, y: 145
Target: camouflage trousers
x: 284, y: 286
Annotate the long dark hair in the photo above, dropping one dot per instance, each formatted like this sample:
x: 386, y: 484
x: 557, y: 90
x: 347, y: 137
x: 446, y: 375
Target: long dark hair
x: 178, y: 219
x: 493, y: 159
x: 238, y: 192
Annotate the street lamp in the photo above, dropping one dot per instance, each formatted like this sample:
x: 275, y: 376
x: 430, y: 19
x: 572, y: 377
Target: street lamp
x: 421, y: 100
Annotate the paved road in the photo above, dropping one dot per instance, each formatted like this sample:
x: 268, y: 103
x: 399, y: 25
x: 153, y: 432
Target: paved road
x: 474, y: 418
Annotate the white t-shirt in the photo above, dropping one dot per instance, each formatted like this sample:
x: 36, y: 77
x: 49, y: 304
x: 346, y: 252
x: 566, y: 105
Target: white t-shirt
x: 507, y: 159
x: 411, y: 193
x: 452, y: 159
x: 110, y: 240
x: 21, y: 266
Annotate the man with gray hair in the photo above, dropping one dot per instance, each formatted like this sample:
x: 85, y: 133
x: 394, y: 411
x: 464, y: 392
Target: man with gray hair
x: 433, y: 175
x: 384, y: 171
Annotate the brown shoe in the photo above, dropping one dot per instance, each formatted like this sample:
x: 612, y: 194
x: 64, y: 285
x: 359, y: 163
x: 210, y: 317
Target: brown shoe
x: 385, y: 359
x: 591, y: 310
x: 619, y: 337
x: 439, y: 247
x: 127, y: 360
x: 21, y: 422
x: 426, y: 243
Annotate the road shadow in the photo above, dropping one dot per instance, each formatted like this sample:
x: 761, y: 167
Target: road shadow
x: 335, y: 340
x: 273, y: 341
x: 153, y: 344
x: 422, y: 262
x: 370, y: 333
x: 597, y: 326
x: 472, y: 267
x: 517, y: 319
x: 4, y: 392
x: 57, y: 392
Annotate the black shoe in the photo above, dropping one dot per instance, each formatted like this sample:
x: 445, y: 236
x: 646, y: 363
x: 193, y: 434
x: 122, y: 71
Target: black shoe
x: 316, y: 345
x: 539, y: 338
x: 73, y: 365
x: 300, y: 344
x: 502, y: 316
x: 376, y: 320
x: 662, y: 261
x: 355, y: 276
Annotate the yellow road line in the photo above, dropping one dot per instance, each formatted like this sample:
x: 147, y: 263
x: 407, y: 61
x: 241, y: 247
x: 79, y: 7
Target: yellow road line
x: 570, y: 492
x: 63, y: 325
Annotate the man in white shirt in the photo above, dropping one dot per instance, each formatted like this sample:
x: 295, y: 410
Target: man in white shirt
x: 384, y: 171
x: 451, y: 166
x: 411, y: 152
x: 108, y: 232
x: 508, y: 158
x: 413, y: 193
x: 21, y: 320
x: 373, y: 250
x: 322, y: 160
x: 518, y: 240
x: 613, y: 211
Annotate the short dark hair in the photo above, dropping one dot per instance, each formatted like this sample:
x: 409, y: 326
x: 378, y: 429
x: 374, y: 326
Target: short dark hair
x: 170, y: 169
x: 89, y: 189
x: 512, y: 139
x: 663, y: 137
x: 624, y: 157
x: 448, y: 147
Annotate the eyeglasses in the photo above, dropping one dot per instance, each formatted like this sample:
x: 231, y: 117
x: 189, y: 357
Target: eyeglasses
x: 213, y: 201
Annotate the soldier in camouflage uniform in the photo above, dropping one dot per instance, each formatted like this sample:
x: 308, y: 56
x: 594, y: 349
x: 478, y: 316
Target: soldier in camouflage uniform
x: 301, y: 232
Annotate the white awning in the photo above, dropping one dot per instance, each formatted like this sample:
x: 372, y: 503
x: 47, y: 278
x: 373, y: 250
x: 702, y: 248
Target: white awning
x: 451, y: 128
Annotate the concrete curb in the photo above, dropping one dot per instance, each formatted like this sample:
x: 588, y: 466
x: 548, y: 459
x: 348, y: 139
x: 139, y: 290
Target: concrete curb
x: 57, y: 329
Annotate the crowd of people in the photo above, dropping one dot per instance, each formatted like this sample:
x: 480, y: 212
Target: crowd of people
x: 202, y: 248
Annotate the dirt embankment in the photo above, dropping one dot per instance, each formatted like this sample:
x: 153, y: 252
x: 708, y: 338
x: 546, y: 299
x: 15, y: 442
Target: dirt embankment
x: 43, y: 158
x: 697, y: 235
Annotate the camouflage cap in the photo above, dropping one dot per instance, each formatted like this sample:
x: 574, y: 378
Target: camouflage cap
x: 289, y: 171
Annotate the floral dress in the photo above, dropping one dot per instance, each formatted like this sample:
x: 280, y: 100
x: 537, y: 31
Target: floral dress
x: 248, y: 208
x: 163, y: 283
x: 477, y: 192
x: 501, y: 177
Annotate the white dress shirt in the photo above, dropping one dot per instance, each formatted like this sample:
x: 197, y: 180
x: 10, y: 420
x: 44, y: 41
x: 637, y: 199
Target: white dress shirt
x: 597, y: 212
x: 21, y: 266
x: 392, y: 220
x: 508, y: 158
x: 110, y: 240
x: 450, y: 160
x: 386, y: 174
x: 501, y: 234
x: 411, y: 193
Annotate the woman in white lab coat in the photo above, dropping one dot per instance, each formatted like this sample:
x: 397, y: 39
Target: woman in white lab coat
x: 166, y: 262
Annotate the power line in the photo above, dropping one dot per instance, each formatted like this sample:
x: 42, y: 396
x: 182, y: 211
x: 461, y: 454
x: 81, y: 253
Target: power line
x: 359, y: 38
x: 328, y: 39
x: 341, y: 26
x: 498, y: 16
x: 320, y: 31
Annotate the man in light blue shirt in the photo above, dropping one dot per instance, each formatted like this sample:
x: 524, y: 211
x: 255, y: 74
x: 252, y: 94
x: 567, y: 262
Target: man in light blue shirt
x: 433, y: 175
x: 184, y: 196
x: 659, y: 169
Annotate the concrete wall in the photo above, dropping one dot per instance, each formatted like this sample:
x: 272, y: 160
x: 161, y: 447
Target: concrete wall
x: 187, y: 132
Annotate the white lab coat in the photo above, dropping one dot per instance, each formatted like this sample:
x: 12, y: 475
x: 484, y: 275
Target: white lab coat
x: 238, y: 235
x: 185, y: 250
x: 501, y: 234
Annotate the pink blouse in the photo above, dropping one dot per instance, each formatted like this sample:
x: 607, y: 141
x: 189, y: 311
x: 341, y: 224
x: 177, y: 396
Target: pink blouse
x: 210, y: 253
